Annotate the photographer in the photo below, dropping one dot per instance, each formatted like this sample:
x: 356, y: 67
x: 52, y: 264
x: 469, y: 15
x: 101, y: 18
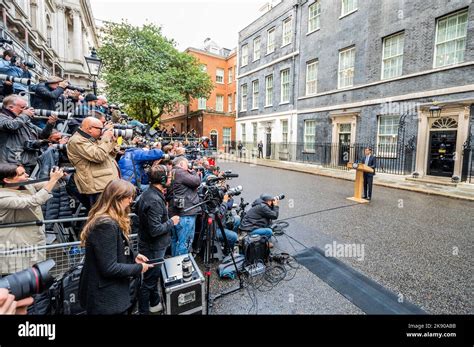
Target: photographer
x: 154, y: 234
x: 110, y: 264
x: 17, y: 132
x: 22, y: 204
x: 258, y: 219
x: 181, y: 196
x: 93, y: 155
x: 132, y: 164
x: 48, y: 94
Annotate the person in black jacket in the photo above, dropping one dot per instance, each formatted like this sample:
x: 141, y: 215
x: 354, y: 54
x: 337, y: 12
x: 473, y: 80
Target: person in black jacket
x: 48, y: 94
x: 109, y: 264
x: 258, y: 219
x: 154, y: 235
x: 181, y: 196
x: 369, y: 160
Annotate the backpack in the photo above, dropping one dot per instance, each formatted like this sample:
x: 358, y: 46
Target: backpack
x: 64, y: 293
x: 227, y: 268
x: 256, y: 248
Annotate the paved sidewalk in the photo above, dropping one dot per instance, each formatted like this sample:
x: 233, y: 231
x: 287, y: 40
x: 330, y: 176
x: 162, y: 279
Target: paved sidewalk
x: 463, y: 191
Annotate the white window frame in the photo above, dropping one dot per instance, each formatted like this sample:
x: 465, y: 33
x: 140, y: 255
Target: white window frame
x: 255, y: 94
x: 271, y: 43
x: 347, y: 11
x: 243, y: 97
x: 287, y: 37
x: 284, y: 85
x: 314, y: 17
x: 398, y: 57
x: 284, y: 133
x: 456, y: 39
x: 230, y: 76
x: 307, y: 135
x: 230, y: 103
x: 349, y: 69
x: 312, y: 85
x: 269, y: 91
x: 244, y: 132
x: 382, y: 150
x: 225, y: 136
x: 257, y: 48
x: 219, y: 103
x: 201, y: 102
x: 245, y: 55
x: 220, y: 78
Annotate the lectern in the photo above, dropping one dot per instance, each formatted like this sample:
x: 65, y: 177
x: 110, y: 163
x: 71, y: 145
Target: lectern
x: 359, y: 181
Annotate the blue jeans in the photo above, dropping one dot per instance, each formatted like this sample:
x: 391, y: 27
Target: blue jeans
x: 183, y: 235
x: 236, y: 223
x: 230, y: 235
x: 263, y: 232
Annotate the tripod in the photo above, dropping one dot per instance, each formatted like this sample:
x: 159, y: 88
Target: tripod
x: 212, y: 223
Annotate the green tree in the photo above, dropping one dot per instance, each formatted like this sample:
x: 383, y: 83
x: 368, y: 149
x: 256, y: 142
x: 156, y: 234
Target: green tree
x: 144, y: 71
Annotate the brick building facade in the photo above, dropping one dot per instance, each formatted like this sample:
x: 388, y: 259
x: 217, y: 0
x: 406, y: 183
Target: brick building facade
x: 214, y: 117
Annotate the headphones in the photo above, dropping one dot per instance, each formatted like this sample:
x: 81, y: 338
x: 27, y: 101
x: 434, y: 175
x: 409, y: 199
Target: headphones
x: 164, y: 174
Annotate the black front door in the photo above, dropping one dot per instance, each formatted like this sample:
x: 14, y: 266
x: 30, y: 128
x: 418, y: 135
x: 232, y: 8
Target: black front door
x: 442, y: 149
x: 214, y: 141
x: 269, y: 145
x: 344, y: 148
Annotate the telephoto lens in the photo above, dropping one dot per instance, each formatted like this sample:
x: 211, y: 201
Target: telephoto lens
x: 187, y: 268
x: 48, y: 113
x: 235, y: 191
x: 123, y: 126
x: 79, y: 89
x: 31, y: 281
x: 26, y: 81
x: 126, y: 134
x: 279, y: 197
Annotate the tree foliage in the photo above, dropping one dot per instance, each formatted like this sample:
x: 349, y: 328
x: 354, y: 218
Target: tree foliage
x: 143, y: 70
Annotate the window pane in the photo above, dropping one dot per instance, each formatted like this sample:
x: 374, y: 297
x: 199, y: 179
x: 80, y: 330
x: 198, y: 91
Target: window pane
x: 451, y: 39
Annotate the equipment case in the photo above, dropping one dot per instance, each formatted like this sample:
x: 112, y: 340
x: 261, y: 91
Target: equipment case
x: 182, y: 297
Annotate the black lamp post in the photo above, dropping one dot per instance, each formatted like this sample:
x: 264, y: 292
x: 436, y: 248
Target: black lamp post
x: 94, y: 63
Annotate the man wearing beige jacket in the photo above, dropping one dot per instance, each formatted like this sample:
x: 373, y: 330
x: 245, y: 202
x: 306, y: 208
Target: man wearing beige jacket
x: 18, y: 204
x: 92, y: 152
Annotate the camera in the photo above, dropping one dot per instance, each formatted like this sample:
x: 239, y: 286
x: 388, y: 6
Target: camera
x: 3, y: 41
x: 7, y: 78
x: 31, y: 281
x: 47, y: 113
x: 34, y: 145
x: 279, y: 197
x: 67, y: 170
x: 73, y: 87
x: 235, y: 191
x: 29, y: 65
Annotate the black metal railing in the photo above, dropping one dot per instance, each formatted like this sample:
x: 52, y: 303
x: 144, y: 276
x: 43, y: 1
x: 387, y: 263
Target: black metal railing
x: 391, y: 158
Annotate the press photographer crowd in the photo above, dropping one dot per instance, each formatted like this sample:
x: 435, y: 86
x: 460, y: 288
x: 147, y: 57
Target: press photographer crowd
x: 143, y: 202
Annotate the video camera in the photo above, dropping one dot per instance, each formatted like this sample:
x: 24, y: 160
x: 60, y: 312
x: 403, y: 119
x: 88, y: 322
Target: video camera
x: 12, y: 79
x: 73, y: 87
x: 213, y: 194
x: 31, y: 281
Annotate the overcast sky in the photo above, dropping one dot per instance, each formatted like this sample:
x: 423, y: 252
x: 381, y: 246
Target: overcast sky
x: 188, y: 22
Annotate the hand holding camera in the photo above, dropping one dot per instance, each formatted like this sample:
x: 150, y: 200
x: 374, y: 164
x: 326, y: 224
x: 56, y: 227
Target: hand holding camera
x: 30, y: 112
x: 64, y: 84
x: 8, y: 304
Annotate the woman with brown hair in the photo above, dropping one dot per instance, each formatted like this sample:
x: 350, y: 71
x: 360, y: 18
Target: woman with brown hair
x: 109, y: 264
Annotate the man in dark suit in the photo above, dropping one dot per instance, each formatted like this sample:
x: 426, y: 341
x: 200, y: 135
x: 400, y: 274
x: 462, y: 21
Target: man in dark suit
x: 368, y: 160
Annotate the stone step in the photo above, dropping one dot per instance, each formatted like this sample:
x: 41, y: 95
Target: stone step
x: 440, y: 181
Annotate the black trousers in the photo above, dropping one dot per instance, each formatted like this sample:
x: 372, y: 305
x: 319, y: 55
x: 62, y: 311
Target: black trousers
x: 368, y: 182
x: 149, y: 294
x: 260, y: 151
